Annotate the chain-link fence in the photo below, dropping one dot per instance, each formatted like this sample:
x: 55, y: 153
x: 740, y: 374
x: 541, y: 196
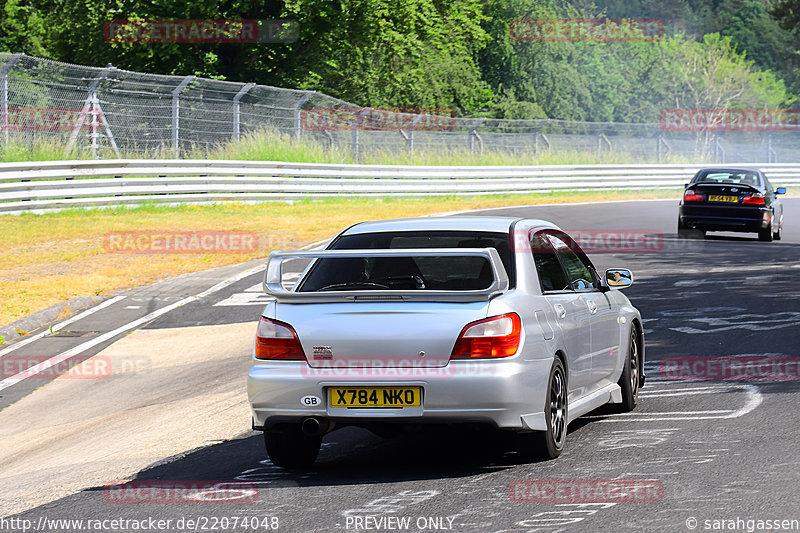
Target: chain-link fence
x: 110, y: 111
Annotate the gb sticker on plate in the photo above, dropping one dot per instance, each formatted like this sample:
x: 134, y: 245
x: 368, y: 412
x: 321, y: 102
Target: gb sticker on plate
x: 310, y: 401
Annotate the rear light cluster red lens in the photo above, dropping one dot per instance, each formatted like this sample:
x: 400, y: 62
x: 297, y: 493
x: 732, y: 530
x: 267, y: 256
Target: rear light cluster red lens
x: 489, y: 338
x: 753, y: 200
x: 691, y: 196
x: 277, y: 340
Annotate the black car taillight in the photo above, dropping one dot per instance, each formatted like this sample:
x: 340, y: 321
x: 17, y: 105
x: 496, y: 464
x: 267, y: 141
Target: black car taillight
x: 690, y: 196
x: 755, y: 199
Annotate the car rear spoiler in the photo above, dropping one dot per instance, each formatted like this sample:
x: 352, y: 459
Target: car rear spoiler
x: 274, y: 275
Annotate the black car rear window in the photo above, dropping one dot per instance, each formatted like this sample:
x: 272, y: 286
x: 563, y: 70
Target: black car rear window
x: 737, y: 177
x: 401, y: 273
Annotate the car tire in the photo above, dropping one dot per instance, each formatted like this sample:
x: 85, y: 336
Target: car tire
x: 777, y: 235
x: 551, y: 442
x: 631, y: 373
x: 765, y: 234
x: 288, y: 447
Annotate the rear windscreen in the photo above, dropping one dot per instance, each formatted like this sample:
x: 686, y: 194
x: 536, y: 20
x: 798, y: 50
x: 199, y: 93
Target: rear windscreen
x: 408, y: 273
x: 749, y: 179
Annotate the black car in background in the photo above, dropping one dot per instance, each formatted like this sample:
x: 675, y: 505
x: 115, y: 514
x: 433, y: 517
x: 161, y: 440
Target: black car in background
x: 731, y: 199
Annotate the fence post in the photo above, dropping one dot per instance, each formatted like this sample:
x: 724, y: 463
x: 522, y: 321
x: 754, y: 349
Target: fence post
x: 719, y: 151
x: 94, y: 124
x: 91, y: 97
x: 536, y: 131
x: 176, y: 114
x: 410, y: 138
x: 297, y: 108
x: 772, y: 155
x: 356, y: 124
x: 236, y: 109
x: 661, y: 145
x: 4, y: 93
x: 473, y: 133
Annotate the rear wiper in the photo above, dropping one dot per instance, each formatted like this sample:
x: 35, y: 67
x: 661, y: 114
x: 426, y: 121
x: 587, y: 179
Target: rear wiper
x: 354, y: 285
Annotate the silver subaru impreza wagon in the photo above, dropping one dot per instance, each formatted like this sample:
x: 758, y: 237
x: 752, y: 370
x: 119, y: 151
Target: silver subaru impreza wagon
x: 480, y: 320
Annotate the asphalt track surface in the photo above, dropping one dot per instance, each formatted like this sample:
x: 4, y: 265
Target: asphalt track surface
x: 716, y: 449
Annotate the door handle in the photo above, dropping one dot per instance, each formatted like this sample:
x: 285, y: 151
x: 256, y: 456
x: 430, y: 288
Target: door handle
x: 592, y: 306
x: 560, y: 311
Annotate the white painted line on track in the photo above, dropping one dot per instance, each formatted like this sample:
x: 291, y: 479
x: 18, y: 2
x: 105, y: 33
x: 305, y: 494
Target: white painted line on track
x: 754, y: 399
x: 44, y: 365
x: 60, y: 325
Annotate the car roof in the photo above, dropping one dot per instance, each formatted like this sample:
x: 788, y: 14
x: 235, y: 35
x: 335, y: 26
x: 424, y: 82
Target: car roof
x: 728, y: 169
x: 454, y: 223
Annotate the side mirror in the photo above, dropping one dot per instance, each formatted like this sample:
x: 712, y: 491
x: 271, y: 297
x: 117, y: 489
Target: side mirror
x: 780, y: 190
x: 619, y: 278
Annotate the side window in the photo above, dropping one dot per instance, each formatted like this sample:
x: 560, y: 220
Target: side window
x: 578, y: 273
x: 768, y: 186
x: 551, y: 275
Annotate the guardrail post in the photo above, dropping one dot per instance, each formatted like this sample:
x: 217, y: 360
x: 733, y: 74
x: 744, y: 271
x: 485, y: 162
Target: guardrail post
x: 473, y: 133
x: 176, y: 114
x: 356, y: 124
x: 237, y: 108
x: 297, y: 109
x: 4, y: 93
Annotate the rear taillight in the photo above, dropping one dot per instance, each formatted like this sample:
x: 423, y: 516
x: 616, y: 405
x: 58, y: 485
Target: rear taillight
x: 277, y: 340
x: 753, y: 200
x: 489, y: 338
x: 690, y: 196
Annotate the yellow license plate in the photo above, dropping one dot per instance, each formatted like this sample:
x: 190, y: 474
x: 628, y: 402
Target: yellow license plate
x: 718, y: 198
x: 393, y: 397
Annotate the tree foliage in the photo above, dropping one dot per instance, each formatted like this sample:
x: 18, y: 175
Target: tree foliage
x: 456, y: 54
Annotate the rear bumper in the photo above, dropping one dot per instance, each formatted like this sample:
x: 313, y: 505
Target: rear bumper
x: 498, y: 393
x: 722, y: 218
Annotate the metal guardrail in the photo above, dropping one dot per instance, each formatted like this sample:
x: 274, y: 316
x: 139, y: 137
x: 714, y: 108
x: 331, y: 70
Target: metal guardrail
x: 53, y: 185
